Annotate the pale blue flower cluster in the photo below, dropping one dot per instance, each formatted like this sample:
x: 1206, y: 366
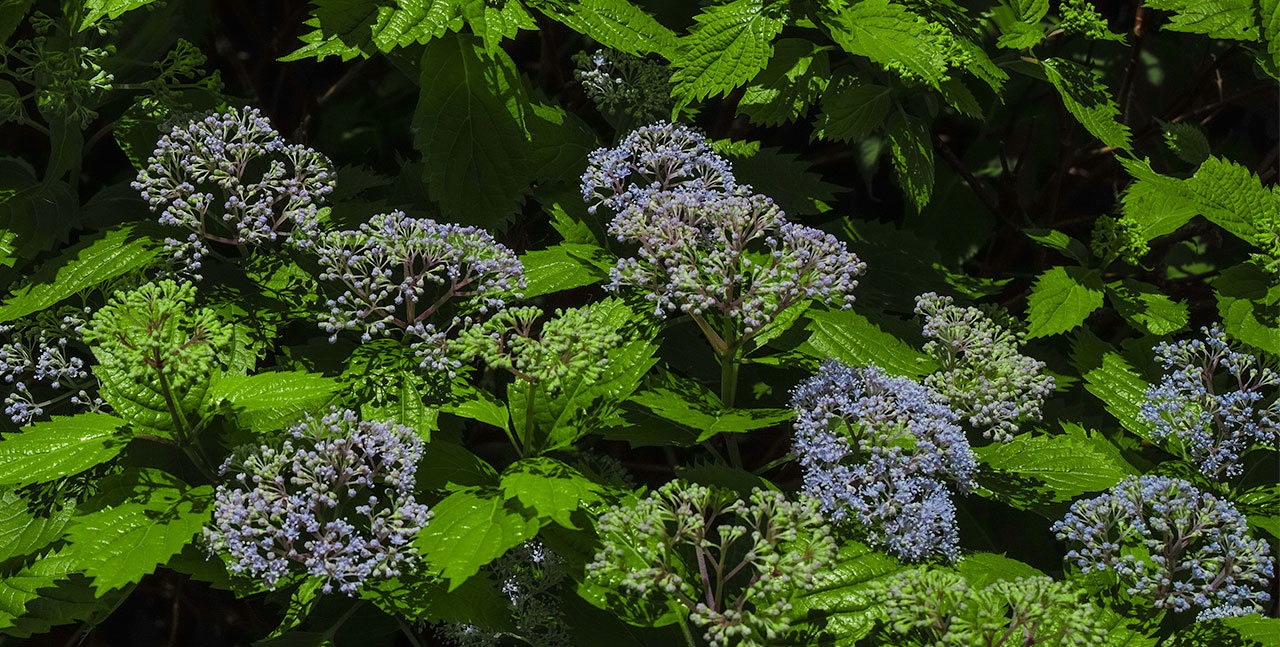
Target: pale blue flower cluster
x: 981, y: 374
x: 39, y: 370
x: 231, y: 178
x: 334, y: 501
x: 1169, y: 543
x: 877, y: 451
x: 707, y: 245
x: 1214, y: 402
x: 398, y: 273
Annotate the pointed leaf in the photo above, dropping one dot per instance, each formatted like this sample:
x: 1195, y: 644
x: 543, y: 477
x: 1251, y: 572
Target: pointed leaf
x: 468, y: 530
x: 60, y: 447
x: 1060, y: 300
x: 730, y: 44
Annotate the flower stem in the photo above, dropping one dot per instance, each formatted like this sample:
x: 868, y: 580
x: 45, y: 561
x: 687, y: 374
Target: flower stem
x: 728, y: 391
x: 688, y: 635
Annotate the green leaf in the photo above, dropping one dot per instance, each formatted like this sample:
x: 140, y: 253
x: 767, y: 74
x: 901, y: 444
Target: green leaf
x: 983, y: 569
x: 60, y: 447
x: 1248, y: 299
x: 1187, y: 141
x: 468, y: 530
x: 496, y: 20
x: 1109, y: 377
x: 911, y: 149
x: 1054, y: 239
x: 1231, y: 196
x: 840, y: 608
x: 1213, y: 18
x: 1039, y: 469
x: 470, y: 125
x: 22, y: 532
x: 49, y: 593
x: 413, y: 21
x: 146, y: 517
x: 479, y: 405
x: 730, y: 44
x: 616, y: 24
x: 847, y: 336
x: 1269, y: 11
x: 851, y: 111
x: 477, y: 601
x: 891, y: 36
x: 1154, y: 201
x: 1086, y: 97
x: 549, y: 487
x: 1061, y: 299
x: 87, y: 265
x: 795, y: 77
x: 143, y: 403
x: 786, y: 178
x: 1143, y: 306
x: 11, y: 14
x: 686, y: 403
x: 560, y: 267
x: 272, y: 401
x: 1263, y: 630
x: 449, y: 466
x: 96, y: 10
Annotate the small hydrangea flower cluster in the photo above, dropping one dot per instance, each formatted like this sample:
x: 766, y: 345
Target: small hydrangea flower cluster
x: 707, y: 245
x: 734, y: 564
x: 876, y: 450
x: 154, y: 333
x: 1118, y: 238
x: 530, y: 574
x: 1169, y: 543
x: 981, y: 374
x: 232, y: 171
x: 36, y: 357
x: 618, y: 82
x: 336, y: 499
x: 570, y: 348
x: 939, y: 608
x: 1210, y: 425
x: 399, y: 271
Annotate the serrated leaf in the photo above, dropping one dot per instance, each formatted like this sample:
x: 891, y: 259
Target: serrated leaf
x: 496, y: 20
x: 851, y: 111
x: 22, y: 532
x: 839, y: 609
x: 1187, y: 141
x: 1213, y: 18
x: 1154, y: 201
x: 730, y: 44
x: 560, y: 267
x: 479, y: 405
x: 414, y: 21
x: 272, y: 401
x: 60, y: 447
x: 1255, y: 627
x: 49, y: 593
x: 983, y: 569
x: 1086, y: 97
x: 891, y: 36
x: 1143, y: 306
x: 96, y: 10
x: 849, y: 337
x: 470, y: 125
x: 786, y: 178
x: 143, y: 403
x: 144, y: 517
x: 1248, y: 299
x: 468, y: 530
x: 616, y: 24
x: 87, y: 265
x: 1231, y: 196
x: 1039, y: 469
x: 687, y: 403
x: 449, y: 466
x: 1123, y: 392
x: 1061, y: 299
x: 549, y: 487
x: 11, y: 15
x: 1269, y: 12
x: 911, y: 150
x: 794, y: 78
x: 1054, y: 239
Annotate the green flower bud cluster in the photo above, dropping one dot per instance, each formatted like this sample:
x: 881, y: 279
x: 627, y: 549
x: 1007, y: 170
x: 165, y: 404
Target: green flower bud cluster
x: 734, y: 565
x: 154, y: 333
x: 572, y: 347
x: 938, y: 608
x: 1118, y: 238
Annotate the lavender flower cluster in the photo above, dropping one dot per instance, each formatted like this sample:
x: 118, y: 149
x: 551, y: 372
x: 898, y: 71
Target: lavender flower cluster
x: 1212, y: 404
x: 981, y: 374
x: 707, y: 245
x: 36, y: 357
x: 1169, y: 543
x: 877, y: 451
x: 397, y: 272
x: 530, y: 575
x: 334, y: 500
x: 734, y: 565
x: 231, y: 178
x: 616, y: 81
x: 939, y: 608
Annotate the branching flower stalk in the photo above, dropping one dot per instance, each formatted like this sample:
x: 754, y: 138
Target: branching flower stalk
x: 154, y: 335
x: 36, y: 356
x: 733, y: 565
